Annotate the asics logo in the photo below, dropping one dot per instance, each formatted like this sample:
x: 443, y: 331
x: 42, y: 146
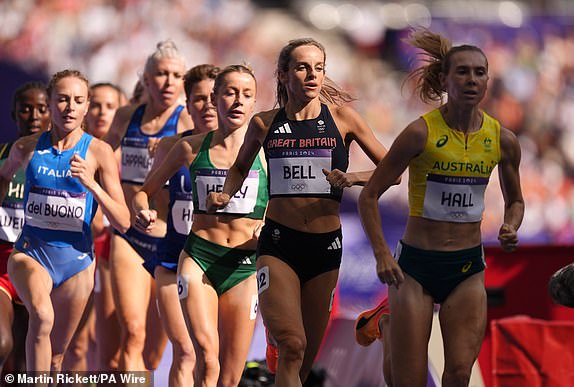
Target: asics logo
x: 82, y: 256
x: 442, y: 141
x: 335, y: 245
x: 466, y: 267
x: 285, y: 128
x: 44, y: 151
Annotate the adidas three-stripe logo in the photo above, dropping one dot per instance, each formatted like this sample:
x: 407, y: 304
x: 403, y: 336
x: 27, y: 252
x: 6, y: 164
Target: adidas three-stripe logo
x: 335, y: 245
x: 245, y: 261
x: 283, y: 129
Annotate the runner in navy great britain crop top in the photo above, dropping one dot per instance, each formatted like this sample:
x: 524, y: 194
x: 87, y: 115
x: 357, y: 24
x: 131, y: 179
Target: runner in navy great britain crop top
x: 298, y: 151
x: 299, y: 250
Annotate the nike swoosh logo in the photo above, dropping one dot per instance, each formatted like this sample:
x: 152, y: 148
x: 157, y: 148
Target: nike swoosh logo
x: 364, y: 320
x: 82, y: 257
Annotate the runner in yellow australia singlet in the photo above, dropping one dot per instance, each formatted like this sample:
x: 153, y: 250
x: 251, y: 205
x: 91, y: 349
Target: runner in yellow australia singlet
x: 448, y: 179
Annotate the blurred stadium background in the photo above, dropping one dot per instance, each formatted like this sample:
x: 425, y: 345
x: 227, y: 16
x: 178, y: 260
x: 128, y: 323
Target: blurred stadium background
x: 529, y: 44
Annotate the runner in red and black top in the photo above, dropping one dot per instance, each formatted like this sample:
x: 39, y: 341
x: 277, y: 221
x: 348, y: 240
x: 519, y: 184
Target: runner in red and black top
x: 30, y: 111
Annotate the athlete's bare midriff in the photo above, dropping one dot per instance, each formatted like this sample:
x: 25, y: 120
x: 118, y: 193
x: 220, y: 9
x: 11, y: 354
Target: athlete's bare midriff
x: 227, y: 230
x: 314, y: 215
x: 441, y: 236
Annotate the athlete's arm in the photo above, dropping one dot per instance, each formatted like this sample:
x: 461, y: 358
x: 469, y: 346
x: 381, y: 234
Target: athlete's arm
x: 354, y: 128
x: 408, y: 145
x: 119, y: 126
x: 185, y: 122
x: 179, y: 155
x: 254, y: 137
x: 109, y: 194
x: 509, y: 176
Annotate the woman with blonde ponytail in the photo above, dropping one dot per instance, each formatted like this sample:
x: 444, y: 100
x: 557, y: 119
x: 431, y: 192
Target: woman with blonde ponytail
x: 450, y: 153
x: 135, y: 133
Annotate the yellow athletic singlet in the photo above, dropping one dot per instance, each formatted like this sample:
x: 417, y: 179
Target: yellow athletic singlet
x: 448, y: 179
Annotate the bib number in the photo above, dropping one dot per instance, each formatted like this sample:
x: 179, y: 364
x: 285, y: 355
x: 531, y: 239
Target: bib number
x: 299, y: 171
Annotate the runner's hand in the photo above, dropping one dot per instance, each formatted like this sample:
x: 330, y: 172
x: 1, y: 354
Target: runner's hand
x: 216, y: 201
x: 145, y: 220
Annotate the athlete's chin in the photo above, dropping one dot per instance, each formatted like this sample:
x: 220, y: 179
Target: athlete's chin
x: 235, y: 122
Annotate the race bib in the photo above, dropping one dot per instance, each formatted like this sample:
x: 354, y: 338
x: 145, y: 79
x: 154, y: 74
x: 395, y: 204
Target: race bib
x: 11, y: 221
x: 299, y: 171
x: 211, y: 180
x: 454, y: 198
x: 136, y: 160
x: 53, y: 209
x: 181, y: 213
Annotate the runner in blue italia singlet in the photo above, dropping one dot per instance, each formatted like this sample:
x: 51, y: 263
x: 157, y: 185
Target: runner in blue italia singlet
x: 51, y: 265
x: 58, y: 210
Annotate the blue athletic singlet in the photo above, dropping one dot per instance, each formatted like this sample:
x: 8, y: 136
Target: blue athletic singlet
x: 179, y: 217
x: 136, y: 161
x: 12, y: 209
x: 297, y: 151
x: 58, y: 208
x: 251, y: 199
x: 58, y: 211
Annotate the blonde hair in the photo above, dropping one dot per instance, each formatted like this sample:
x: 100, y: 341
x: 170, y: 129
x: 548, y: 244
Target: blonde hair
x: 164, y: 49
x: 437, y: 54
x: 65, y: 74
x: 237, y: 68
x: 331, y: 93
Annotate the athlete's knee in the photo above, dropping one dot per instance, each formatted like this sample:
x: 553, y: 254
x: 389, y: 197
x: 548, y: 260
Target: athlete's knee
x: 109, y: 362
x: 291, y: 347
x: 211, y: 363
x: 229, y: 379
x: 152, y: 360
x: 6, y: 346
x: 184, y: 354
x: 57, y: 360
x: 456, y: 376
x: 134, y: 334
x: 41, y: 319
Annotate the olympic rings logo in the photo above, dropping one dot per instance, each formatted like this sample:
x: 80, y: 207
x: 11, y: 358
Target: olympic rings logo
x: 298, y: 187
x: 457, y: 215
